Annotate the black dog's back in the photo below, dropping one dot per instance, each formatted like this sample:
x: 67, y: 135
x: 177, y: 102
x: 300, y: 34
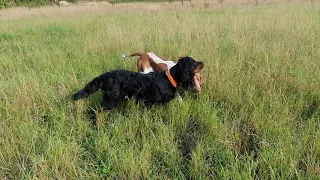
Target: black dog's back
x: 103, y: 81
x: 151, y: 88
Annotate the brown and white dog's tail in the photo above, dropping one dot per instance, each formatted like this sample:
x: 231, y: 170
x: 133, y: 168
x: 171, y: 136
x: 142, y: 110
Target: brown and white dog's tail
x: 133, y: 55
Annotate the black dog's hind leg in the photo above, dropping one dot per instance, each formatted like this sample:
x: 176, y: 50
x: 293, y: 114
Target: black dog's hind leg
x: 90, y: 88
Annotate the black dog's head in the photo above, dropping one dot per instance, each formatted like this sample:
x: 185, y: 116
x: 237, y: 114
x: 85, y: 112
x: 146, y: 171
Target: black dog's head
x: 185, y: 70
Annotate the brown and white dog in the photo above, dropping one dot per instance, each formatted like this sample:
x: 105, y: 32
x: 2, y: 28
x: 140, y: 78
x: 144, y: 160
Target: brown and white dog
x: 150, y: 62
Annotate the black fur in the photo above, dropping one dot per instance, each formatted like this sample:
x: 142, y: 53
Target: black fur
x: 152, y: 88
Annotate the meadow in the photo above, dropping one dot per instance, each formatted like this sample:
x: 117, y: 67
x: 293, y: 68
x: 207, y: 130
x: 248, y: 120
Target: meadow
x: 257, y: 116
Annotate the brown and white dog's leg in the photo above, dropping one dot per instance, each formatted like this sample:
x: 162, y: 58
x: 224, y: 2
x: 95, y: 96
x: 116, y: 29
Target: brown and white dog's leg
x: 179, y: 97
x: 158, y: 67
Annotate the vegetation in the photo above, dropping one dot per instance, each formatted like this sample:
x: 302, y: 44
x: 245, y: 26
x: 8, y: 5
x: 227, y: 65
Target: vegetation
x: 256, y: 118
x: 35, y: 3
x: 27, y: 3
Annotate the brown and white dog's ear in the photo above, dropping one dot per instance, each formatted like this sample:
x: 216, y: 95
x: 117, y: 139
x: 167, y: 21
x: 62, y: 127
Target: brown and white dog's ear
x: 198, y: 66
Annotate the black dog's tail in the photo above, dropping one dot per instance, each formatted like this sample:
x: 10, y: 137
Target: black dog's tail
x: 90, y: 88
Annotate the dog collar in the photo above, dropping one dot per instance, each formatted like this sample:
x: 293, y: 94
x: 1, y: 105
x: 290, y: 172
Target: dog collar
x: 173, y: 82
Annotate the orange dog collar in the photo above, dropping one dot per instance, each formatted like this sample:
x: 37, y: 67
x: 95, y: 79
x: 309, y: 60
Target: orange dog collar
x: 173, y: 82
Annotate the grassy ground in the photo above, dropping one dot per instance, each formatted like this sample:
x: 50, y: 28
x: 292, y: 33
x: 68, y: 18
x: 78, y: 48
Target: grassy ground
x: 257, y: 116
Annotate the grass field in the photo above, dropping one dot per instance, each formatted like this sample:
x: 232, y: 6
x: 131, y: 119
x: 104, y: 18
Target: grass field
x: 257, y: 116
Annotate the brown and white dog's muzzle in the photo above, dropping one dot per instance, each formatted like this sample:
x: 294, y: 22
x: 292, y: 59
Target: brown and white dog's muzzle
x: 198, y: 81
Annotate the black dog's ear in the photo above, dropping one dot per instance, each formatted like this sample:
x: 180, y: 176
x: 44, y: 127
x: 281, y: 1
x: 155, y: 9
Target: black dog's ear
x: 198, y: 66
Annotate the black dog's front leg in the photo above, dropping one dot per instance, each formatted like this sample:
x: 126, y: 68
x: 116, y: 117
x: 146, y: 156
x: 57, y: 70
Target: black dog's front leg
x: 153, y: 97
x: 149, y: 104
x: 152, y: 102
x: 109, y: 103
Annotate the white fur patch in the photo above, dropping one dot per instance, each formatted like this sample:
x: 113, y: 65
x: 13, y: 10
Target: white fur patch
x: 158, y: 60
x: 147, y: 70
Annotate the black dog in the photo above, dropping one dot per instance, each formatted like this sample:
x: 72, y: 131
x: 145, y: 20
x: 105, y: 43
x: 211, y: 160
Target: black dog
x: 152, y: 88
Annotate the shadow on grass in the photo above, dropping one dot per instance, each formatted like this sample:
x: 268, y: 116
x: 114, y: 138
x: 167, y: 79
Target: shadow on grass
x: 187, y: 139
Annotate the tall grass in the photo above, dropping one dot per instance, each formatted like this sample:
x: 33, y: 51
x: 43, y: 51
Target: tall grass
x: 257, y: 116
